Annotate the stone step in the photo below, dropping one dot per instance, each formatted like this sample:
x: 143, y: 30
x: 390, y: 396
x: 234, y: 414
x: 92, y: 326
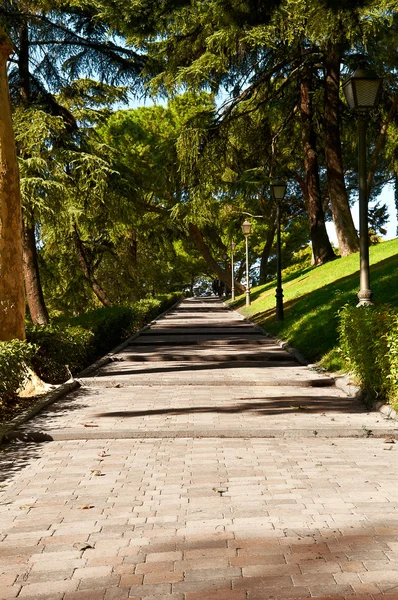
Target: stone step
x: 119, y: 434
x: 107, y: 380
x: 283, y: 357
x: 202, y: 341
x: 221, y: 330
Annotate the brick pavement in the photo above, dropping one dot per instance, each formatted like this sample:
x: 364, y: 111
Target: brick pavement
x: 138, y: 495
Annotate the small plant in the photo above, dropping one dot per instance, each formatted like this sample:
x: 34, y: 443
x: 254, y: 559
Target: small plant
x: 369, y: 344
x: 14, y: 358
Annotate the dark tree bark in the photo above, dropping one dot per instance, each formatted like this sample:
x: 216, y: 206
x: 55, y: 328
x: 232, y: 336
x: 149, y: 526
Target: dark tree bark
x: 133, y: 247
x: 223, y: 274
x: 87, y: 269
x: 267, y: 251
x: 12, y: 293
x: 321, y: 247
x: 34, y: 293
x: 345, y: 230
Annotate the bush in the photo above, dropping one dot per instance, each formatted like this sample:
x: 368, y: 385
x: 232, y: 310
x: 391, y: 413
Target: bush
x: 14, y: 357
x: 68, y: 346
x: 108, y: 326
x: 369, y: 344
x: 60, y: 350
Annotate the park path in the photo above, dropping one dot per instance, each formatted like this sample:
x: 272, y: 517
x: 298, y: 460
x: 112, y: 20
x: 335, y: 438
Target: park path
x: 203, y: 463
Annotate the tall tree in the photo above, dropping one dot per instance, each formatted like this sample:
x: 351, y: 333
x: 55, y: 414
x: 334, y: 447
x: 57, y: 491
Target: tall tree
x: 321, y: 247
x: 12, y: 295
x: 345, y: 230
x: 54, y: 43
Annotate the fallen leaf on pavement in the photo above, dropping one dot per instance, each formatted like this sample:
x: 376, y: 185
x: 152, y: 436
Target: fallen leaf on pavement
x: 82, y: 546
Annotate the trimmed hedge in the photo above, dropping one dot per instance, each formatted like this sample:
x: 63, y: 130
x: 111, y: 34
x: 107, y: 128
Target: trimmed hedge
x: 14, y: 356
x: 61, y: 350
x: 369, y: 344
x: 66, y: 347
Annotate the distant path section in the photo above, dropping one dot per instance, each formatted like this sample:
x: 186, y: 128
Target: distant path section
x: 202, y: 463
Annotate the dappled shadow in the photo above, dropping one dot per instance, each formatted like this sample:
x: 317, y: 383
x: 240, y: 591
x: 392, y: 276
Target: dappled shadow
x: 15, y: 457
x: 287, y: 404
x: 300, y: 563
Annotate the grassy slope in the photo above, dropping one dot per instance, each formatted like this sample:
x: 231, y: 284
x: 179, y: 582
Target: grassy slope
x: 313, y: 297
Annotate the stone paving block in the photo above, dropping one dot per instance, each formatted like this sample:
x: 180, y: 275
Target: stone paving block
x: 119, y: 593
x: 89, y: 595
x: 219, y: 595
x: 7, y: 592
x: 156, y: 589
x: 295, y: 514
x: 48, y: 588
x: 99, y: 582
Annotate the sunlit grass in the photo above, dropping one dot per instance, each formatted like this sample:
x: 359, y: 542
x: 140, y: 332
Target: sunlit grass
x: 313, y: 298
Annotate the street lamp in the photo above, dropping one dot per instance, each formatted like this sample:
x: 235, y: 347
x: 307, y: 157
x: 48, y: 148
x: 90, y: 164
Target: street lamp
x: 233, y: 246
x: 278, y: 191
x: 246, y: 230
x: 362, y: 92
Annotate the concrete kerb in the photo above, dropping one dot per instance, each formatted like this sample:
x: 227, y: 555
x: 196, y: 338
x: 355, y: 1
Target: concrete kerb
x: 342, y: 382
x: 73, y: 383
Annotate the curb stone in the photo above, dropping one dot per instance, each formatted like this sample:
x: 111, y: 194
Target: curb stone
x: 32, y: 411
x: 342, y: 382
x: 65, y: 388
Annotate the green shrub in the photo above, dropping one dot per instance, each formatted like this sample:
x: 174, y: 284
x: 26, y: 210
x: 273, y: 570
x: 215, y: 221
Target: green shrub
x: 68, y: 346
x: 109, y: 326
x: 14, y: 357
x: 60, y: 350
x: 369, y: 344
x: 392, y: 344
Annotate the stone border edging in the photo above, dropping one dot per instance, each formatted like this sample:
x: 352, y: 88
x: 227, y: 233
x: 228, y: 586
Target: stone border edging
x: 64, y: 388
x: 342, y: 382
x: 32, y: 411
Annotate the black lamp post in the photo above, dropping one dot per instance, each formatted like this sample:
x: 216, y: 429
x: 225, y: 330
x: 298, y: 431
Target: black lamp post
x: 246, y: 230
x: 362, y: 92
x: 278, y: 191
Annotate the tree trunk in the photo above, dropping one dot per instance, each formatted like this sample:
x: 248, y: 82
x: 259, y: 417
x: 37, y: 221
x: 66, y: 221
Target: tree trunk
x: 34, y: 293
x: 345, y: 230
x: 12, y: 293
x: 87, y: 272
x: 224, y: 275
x: 321, y: 247
x: 267, y: 250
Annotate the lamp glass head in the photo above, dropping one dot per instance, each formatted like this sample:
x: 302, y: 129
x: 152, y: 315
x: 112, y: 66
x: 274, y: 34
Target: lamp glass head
x: 362, y: 89
x: 278, y: 189
x: 246, y: 227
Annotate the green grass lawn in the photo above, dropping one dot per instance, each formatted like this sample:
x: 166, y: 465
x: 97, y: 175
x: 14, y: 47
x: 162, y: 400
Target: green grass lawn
x: 314, y: 296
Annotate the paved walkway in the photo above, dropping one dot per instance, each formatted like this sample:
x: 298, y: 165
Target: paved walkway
x: 204, y: 463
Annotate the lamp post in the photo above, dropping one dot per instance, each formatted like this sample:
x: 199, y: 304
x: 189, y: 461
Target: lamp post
x: 246, y: 230
x: 233, y: 246
x: 362, y: 92
x: 278, y: 191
